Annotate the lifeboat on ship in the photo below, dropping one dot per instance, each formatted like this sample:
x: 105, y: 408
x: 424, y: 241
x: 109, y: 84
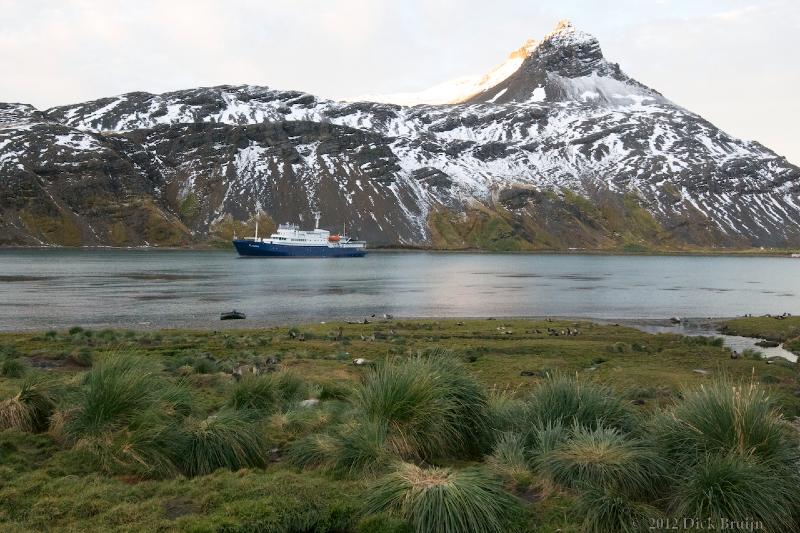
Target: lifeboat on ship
x: 334, y: 238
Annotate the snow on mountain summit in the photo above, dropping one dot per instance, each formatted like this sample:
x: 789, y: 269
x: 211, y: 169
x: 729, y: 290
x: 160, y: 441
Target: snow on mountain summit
x: 460, y: 89
x: 565, y: 44
x: 557, y: 141
x: 566, y: 31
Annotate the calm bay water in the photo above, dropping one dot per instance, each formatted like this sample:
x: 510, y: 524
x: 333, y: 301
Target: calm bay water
x: 41, y: 289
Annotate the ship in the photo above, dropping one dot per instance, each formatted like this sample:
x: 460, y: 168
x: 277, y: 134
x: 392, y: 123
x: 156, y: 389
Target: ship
x: 290, y: 241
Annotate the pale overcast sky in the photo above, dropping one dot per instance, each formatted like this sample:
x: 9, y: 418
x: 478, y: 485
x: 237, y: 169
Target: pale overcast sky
x: 737, y: 63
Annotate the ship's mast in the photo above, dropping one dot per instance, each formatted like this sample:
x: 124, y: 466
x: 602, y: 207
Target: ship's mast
x: 256, y: 236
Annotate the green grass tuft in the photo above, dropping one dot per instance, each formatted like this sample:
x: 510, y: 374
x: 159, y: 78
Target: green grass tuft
x: 506, y: 412
x: 360, y: 448
x: 607, y: 511
x: 227, y: 439
x: 604, y: 458
x: 315, y: 450
x: 734, y: 488
x: 255, y: 392
x: 118, y: 389
x: 443, y: 499
x: 724, y: 418
x: 430, y: 405
x: 11, y: 367
x: 82, y: 358
x: 567, y: 400
x: 27, y: 410
x: 269, y: 392
x: 510, y: 459
x: 149, y: 447
x: 542, y: 438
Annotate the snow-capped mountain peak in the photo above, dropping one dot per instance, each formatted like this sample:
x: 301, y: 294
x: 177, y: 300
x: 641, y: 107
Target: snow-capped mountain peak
x: 581, y: 50
x: 557, y: 148
x: 568, y: 65
x: 566, y: 32
x: 460, y: 89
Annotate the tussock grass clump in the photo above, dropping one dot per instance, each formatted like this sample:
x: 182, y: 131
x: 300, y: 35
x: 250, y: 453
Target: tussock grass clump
x: 227, y: 439
x: 330, y: 390
x: 255, y: 392
x: 750, y: 353
x: 11, y: 367
x: 723, y: 418
x: 733, y: 488
x: 506, y: 412
x: 127, y: 416
x: 618, y: 347
x: 291, y: 386
x: 443, y: 499
x: 315, y: 450
x: 360, y: 448
x: 431, y: 407
x: 603, y: 458
x: 9, y: 350
x: 736, y: 457
x: 119, y: 389
x: 608, y: 511
x: 543, y: 438
x: 699, y: 340
x: 352, y: 449
x: 268, y: 392
x: 567, y: 400
x: 510, y: 459
x: 205, y: 365
x: 82, y: 358
x: 148, y: 447
x: 27, y: 410
x: 302, y: 420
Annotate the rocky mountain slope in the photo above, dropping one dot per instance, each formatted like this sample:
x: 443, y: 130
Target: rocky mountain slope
x: 566, y: 151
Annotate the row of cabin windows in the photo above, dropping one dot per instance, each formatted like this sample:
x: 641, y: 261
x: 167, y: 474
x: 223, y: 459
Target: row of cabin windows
x: 300, y: 240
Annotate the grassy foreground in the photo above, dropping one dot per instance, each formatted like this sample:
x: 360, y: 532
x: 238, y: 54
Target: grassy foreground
x: 785, y: 329
x: 478, y: 425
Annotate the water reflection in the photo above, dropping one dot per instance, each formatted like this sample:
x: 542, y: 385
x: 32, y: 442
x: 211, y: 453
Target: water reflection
x: 57, y: 288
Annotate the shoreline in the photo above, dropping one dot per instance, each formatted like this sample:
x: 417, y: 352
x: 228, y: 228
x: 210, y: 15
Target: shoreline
x: 722, y: 252
x: 704, y: 323
x: 249, y: 324
x: 687, y: 327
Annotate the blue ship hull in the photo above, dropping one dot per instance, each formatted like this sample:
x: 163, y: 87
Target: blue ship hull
x: 262, y: 249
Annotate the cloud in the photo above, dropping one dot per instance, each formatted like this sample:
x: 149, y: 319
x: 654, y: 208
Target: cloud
x: 732, y: 61
x: 736, y: 13
x: 733, y: 67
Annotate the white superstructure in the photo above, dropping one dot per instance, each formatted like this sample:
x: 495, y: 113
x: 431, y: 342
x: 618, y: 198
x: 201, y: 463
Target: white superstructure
x: 292, y: 235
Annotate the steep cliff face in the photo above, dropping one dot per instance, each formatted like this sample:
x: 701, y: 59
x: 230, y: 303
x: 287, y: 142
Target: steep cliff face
x: 60, y: 185
x: 556, y: 148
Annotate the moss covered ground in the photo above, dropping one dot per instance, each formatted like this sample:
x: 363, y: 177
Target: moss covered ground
x: 784, y: 329
x: 46, y: 484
